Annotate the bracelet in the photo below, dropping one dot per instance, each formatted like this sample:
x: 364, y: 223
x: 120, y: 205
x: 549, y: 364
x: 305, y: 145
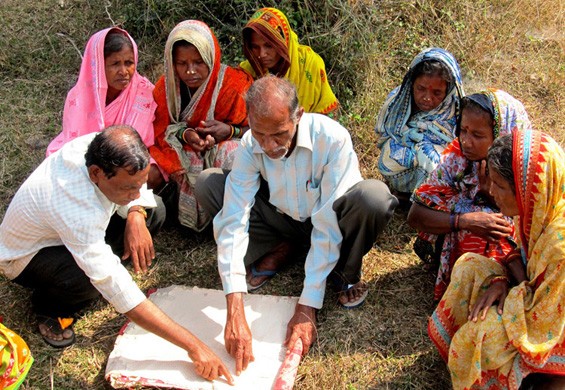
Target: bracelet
x: 138, y: 209
x: 237, y: 132
x: 499, y: 278
x: 454, y: 222
x: 232, y: 131
x: 184, y: 133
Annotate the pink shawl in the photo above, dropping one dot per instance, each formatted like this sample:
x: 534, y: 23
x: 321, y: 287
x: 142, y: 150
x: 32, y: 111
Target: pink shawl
x: 85, y: 107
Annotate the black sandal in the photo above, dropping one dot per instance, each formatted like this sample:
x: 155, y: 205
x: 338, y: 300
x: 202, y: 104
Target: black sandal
x: 55, y: 326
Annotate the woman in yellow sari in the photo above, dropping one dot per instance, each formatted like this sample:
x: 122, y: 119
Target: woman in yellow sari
x: 500, y: 322
x: 270, y: 46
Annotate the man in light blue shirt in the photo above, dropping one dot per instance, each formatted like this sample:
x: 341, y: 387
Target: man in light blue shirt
x: 295, y: 180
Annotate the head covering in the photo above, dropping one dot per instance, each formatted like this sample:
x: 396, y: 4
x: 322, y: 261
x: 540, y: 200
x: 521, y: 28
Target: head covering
x: 396, y: 110
x: 411, y: 143
x: 300, y: 64
x: 198, y: 34
x: 85, y: 107
x: 15, y: 359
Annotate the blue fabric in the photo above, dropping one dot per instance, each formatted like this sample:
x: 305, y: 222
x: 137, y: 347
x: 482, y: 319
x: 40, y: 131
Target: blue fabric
x: 411, y: 143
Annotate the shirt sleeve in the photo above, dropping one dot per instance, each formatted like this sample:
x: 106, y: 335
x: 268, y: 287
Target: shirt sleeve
x: 231, y: 225
x: 326, y: 236
x: 85, y: 241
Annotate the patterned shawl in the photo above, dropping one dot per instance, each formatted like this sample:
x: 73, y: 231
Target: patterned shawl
x: 85, y: 108
x: 411, y: 144
x: 302, y: 66
x: 220, y: 97
x: 454, y: 187
x: 534, y: 315
x: 15, y: 359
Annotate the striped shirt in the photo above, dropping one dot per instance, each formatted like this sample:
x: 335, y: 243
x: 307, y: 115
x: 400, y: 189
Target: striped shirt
x: 59, y: 205
x: 320, y: 169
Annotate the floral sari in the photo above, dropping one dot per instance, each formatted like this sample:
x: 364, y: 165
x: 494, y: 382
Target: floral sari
x: 220, y: 97
x: 85, y: 107
x: 529, y: 337
x: 301, y: 65
x: 453, y: 187
x: 411, y: 143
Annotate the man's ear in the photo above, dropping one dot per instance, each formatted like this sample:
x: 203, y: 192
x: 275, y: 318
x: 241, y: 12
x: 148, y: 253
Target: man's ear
x: 299, y: 115
x: 95, y: 172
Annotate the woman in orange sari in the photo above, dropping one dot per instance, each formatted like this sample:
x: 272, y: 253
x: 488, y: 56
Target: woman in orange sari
x: 499, y: 322
x: 200, y: 114
x: 270, y: 46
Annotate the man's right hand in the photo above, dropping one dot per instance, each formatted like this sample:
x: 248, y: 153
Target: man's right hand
x: 237, y: 335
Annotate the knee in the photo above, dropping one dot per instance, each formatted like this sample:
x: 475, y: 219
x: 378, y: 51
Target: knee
x: 209, y: 189
x: 156, y: 216
x: 374, y: 197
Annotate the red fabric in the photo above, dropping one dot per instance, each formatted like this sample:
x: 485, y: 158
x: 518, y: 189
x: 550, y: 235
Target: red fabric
x: 230, y: 109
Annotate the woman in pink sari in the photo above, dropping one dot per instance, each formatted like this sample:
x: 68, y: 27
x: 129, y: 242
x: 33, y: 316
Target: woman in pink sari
x: 109, y: 91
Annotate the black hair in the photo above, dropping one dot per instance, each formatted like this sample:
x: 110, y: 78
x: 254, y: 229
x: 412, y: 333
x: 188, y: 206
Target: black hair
x: 115, y: 42
x: 118, y: 146
x: 433, y: 68
x: 467, y: 103
x: 500, y: 159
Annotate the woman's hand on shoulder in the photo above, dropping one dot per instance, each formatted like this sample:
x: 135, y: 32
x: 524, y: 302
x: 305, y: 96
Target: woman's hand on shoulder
x: 496, y: 292
x: 220, y: 131
x: 491, y: 226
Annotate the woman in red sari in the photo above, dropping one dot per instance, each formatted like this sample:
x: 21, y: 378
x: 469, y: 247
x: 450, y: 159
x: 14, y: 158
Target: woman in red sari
x: 452, y: 209
x: 200, y: 114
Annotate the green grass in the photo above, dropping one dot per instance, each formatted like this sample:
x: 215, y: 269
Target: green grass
x: 517, y: 45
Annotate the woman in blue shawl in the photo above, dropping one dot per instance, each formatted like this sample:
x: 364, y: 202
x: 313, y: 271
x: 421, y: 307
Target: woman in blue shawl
x: 418, y: 119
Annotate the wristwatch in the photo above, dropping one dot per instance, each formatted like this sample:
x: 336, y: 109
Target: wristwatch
x: 139, y: 209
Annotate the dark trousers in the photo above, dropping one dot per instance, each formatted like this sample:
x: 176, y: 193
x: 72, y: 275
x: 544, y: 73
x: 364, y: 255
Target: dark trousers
x: 60, y: 287
x: 362, y: 212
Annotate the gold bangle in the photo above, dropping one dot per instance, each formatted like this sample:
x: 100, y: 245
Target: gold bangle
x: 232, y: 130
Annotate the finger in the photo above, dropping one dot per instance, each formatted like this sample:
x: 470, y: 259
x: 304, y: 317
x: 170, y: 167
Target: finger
x: 247, y: 357
x: 199, y: 368
x: 501, y: 301
x: 224, y: 371
x: 126, y: 253
x: 152, y: 251
x: 213, y: 373
x: 239, y: 359
x: 135, y: 261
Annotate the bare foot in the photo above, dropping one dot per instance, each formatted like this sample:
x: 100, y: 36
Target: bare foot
x: 269, y: 264
x: 353, y: 296
x: 53, y: 333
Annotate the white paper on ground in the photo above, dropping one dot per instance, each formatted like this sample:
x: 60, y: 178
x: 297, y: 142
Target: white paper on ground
x: 141, y: 358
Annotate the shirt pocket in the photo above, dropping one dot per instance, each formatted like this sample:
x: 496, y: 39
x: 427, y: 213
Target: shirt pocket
x: 313, y: 193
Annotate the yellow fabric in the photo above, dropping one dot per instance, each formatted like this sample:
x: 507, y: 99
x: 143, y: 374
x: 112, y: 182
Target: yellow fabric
x: 307, y: 70
x: 529, y: 336
x: 15, y: 359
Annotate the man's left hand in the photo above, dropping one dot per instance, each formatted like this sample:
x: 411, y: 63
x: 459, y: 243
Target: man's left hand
x: 302, y: 325
x: 138, y: 243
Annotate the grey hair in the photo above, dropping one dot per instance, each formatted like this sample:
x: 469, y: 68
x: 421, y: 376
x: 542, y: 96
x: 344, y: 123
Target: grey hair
x: 270, y: 85
x: 115, y: 42
x: 500, y: 159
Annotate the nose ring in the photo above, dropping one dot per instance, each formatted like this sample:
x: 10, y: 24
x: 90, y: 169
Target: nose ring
x: 190, y: 71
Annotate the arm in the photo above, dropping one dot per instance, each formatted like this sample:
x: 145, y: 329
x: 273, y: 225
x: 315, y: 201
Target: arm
x: 231, y: 234
x: 237, y: 335
x: 207, y: 364
x: 492, y: 226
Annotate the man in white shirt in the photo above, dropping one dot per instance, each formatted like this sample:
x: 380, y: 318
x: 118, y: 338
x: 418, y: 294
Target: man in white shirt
x: 52, y: 239
x: 295, y: 179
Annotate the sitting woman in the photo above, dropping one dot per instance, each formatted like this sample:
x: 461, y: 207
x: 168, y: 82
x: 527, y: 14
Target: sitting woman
x: 494, y: 326
x: 200, y: 114
x: 418, y: 120
x: 270, y: 46
x: 109, y: 91
x: 452, y: 209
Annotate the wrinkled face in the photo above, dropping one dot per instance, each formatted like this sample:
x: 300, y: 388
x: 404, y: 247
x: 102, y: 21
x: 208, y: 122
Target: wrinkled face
x: 429, y: 91
x: 274, y: 132
x: 475, y: 134
x: 122, y: 188
x: 119, y: 68
x: 189, y: 66
x: 501, y: 191
x: 265, y: 53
